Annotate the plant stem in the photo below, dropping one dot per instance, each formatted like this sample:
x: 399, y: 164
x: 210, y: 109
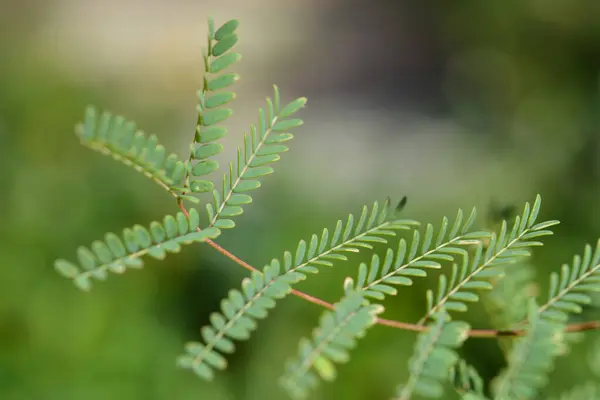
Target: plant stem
x: 474, y: 333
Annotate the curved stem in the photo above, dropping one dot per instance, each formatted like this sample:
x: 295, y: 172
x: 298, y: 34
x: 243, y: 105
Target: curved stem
x: 474, y: 333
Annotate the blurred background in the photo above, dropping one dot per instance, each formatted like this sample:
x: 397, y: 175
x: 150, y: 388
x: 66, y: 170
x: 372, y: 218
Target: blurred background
x: 453, y: 104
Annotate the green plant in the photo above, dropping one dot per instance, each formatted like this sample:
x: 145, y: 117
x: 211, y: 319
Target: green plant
x: 478, y: 262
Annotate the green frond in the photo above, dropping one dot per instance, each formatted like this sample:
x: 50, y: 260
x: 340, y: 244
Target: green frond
x: 505, y: 248
x: 236, y: 321
x: 586, y: 391
x: 434, y: 355
x: 331, y: 342
x: 467, y: 382
x: 211, y: 105
x: 531, y: 358
x: 260, y: 292
x: 378, y: 279
x: 262, y: 146
x: 114, y: 136
x: 507, y: 302
x: 574, y: 286
x: 116, y: 254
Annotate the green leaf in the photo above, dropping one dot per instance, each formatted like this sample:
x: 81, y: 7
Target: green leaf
x: 219, y: 99
x: 156, y: 241
x: 201, y: 186
x: 212, y: 133
x: 223, y: 62
x: 331, y: 341
x: 434, y: 355
x: 226, y: 43
x: 212, y: 117
x: 222, y: 82
x: 293, y: 107
x: 208, y: 150
x: 204, y: 167
x: 226, y: 29
x: 114, y: 136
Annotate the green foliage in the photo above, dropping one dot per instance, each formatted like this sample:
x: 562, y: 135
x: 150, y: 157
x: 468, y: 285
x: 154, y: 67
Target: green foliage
x: 434, y: 355
x: 260, y: 292
x: 503, y: 249
x: 116, y: 137
x: 531, y: 359
x: 331, y: 340
x: 261, y: 148
x: 477, y: 260
x: 576, y: 284
x: 117, y: 254
x: 467, y: 382
x: 212, y: 99
x: 377, y: 280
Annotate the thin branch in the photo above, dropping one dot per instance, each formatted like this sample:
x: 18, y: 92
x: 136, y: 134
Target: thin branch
x: 474, y: 333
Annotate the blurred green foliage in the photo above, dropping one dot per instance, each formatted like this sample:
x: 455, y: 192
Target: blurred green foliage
x: 121, y: 340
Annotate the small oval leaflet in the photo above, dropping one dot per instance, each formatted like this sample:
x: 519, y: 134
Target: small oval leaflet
x: 227, y: 28
x: 222, y: 81
x: 208, y: 150
x: 204, y: 167
x: 224, y: 62
x: 226, y: 43
x: 219, y: 99
x: 201, y: 186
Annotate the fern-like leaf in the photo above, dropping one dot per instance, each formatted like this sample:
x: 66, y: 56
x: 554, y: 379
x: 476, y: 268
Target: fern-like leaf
x: 116, y: 254
x: 504, y: 248
x: 434, y: 355
x: 574, y: 286
x: 114, y: 136
x: 212, y: 98
x: 467, y: 381
x: 260, y: 292
x: 378, y: 279
x: 530, y: 359
x: 261, y: 148
x: 507, y: 301
x: 331, y: 341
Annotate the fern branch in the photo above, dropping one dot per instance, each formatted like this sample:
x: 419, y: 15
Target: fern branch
x: 276, y: 279
x: 572, y: 290
x: 467, y: 381
x: 261, y: 147
x: 211, y: 112
x: 503, y: 249
x: 115, y: 137
x: 530, y: 360
x: 116, y: 254
x: 377, y: 280
x: 432, y: 358
x: 331, y: 340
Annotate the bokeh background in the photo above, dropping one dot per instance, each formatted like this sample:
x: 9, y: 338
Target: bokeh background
x: 454, y: 104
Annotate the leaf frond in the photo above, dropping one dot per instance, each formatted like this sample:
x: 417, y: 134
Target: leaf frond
x: 118, y: 138
x: 262, y: 147
x: 331, y: 342
x: 212, y: 101
x: 467, y: 381
x: 378, y: 279
x: 434, y: 355
x: 530, y: 359
x: 260, y: 292
x: 506, y: 247
x: 117, y: 254
x: 573, y: 288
